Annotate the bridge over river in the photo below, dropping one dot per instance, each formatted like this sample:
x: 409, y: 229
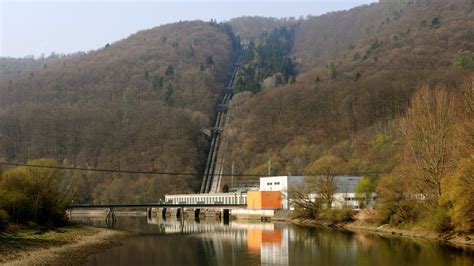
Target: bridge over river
x: 221, y: 209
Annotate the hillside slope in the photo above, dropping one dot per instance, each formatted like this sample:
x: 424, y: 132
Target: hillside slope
x: 137, y: 104
x: 358, y: 70
x: 11, y: 67
x: 141, y: 103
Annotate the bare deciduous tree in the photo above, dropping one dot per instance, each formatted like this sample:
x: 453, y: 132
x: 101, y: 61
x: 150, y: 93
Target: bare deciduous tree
x: 301, y: 199
x: 321, y: 177
x: 427, y: 130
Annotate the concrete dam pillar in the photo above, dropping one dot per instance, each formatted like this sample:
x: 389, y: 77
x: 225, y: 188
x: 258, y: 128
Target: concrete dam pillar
x: 163, y: 213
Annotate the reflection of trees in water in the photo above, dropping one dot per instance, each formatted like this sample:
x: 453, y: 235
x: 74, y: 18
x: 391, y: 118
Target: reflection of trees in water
x: 364, y: 239
x: 414, y: 252
x: 320, y: 246
x: 330, y: 247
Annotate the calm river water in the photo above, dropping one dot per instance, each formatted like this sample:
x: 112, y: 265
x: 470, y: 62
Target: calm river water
x: 207, y: 242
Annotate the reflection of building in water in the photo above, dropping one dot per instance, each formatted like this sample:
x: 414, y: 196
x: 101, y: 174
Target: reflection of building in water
x: 271, y: 242
x: 173, y: 226
x: 264, y: 239
x: 276, y: 252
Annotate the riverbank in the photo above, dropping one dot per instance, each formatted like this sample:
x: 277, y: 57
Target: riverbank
x: 465, y: 241
x: 72, y: 244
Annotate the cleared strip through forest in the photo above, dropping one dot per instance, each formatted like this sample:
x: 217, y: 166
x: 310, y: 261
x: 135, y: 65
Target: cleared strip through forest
x: 211, y: 178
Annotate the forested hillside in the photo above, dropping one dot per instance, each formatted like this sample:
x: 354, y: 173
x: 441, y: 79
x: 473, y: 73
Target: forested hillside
x: 138, y: 104
x: 357, y: 71
x: 12, y: 67
x: 334, y: 86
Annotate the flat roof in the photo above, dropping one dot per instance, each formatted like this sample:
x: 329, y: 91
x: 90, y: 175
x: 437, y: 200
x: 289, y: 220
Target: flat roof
x: 282, y: 176
x: 207, y: 194
x: 345, y: 184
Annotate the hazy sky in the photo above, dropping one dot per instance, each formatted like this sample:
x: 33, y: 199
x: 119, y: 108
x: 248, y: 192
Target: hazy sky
x: 36, y: 27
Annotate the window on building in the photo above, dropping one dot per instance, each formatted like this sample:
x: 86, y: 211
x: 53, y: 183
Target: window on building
x: 277, y: 183
x: 269, y: 184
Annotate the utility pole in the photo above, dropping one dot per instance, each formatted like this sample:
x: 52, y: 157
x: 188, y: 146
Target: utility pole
x: 270, y: 167
x: 232, y: 175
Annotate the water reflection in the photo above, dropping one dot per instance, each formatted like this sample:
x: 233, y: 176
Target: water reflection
x: 211, y: 242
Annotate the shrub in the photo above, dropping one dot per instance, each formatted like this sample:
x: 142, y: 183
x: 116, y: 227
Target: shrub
x: 392, y: 207
x: 397, y: 211
x: 384, y: 212
x: 436, y: 219
x: 302, y: 213
x: 338, y: 215
x: 458, y: 197
x: 464, y: 60
x: 407, y: 212
x: 33, y: 195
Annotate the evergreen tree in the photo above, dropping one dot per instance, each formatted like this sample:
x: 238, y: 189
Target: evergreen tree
x: 169, y: 71
x: 267, y: 55
x: 157, y: 82
x: 209, y: 61
x: 169, y: 94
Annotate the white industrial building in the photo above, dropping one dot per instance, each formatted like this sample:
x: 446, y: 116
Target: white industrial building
x: 280, y: 183
x: 345, y: 194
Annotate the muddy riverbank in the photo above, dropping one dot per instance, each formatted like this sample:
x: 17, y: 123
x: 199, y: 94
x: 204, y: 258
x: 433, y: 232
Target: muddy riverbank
x: 70, y: 245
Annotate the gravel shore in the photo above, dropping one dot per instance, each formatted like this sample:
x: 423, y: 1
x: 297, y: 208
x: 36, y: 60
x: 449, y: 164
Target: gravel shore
x: 68, y: 248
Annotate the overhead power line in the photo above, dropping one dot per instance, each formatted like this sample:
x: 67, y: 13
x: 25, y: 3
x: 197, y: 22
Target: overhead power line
x: 169, y: 173
x: 113, y: 171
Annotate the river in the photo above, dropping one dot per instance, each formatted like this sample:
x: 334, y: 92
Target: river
x: 210, y: 242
